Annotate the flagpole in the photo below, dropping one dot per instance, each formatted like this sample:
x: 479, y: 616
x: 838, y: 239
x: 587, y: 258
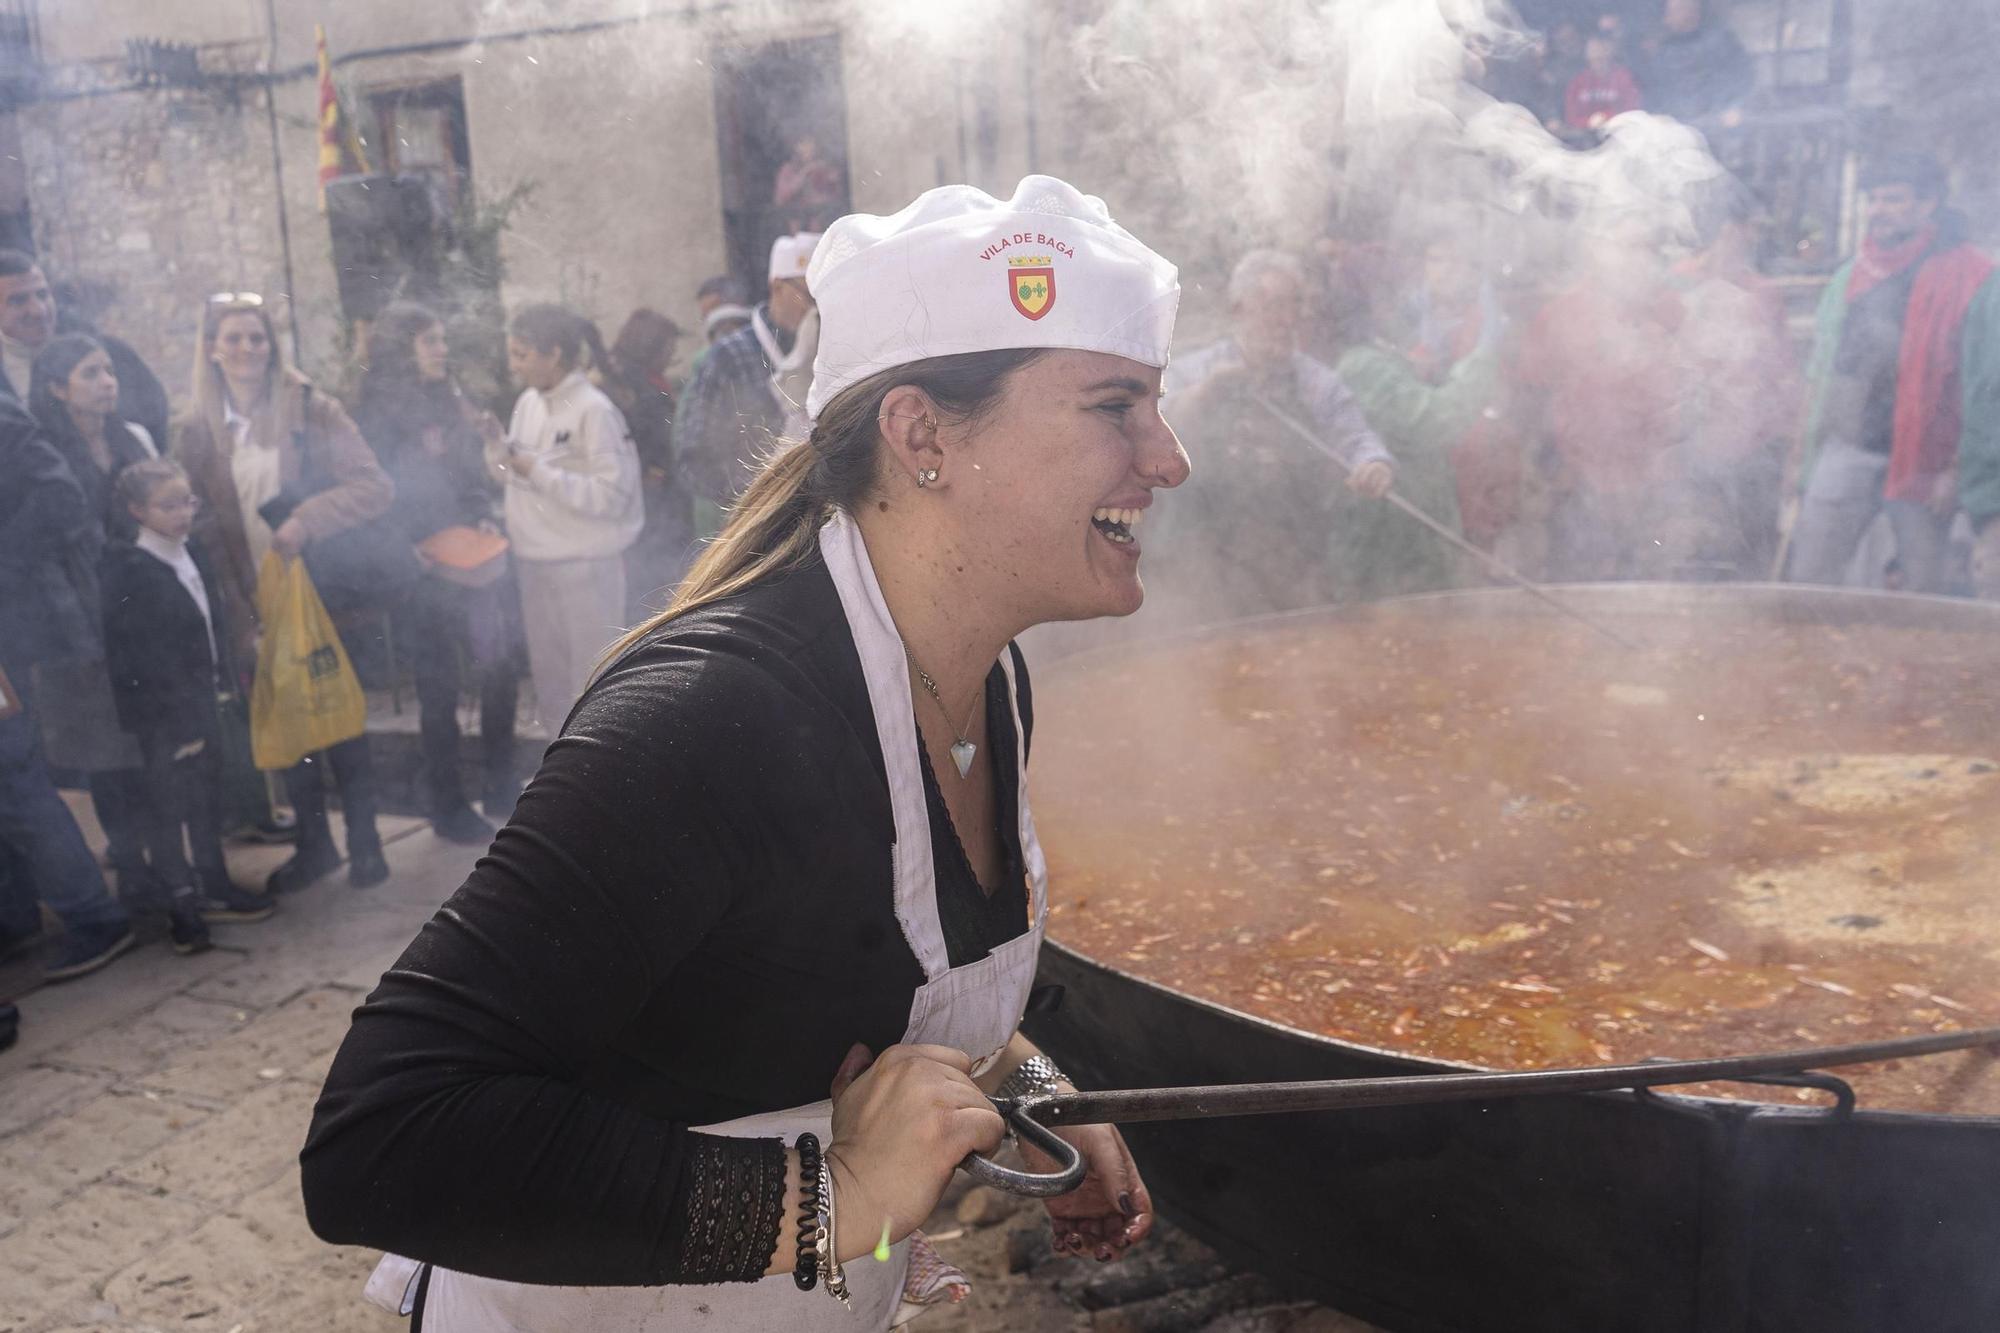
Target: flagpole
x: 278, y: 170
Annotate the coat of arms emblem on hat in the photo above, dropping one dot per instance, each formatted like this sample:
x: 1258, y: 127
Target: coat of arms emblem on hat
x: 1031, y: 284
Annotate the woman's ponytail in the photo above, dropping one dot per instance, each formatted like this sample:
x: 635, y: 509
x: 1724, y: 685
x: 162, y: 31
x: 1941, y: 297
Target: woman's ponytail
x: 774, y: 526
x: 600, y: 360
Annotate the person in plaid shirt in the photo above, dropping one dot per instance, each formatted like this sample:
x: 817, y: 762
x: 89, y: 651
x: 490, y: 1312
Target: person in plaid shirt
x: 749, y: 390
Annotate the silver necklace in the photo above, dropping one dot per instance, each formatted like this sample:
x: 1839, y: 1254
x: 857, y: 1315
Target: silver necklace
x: 962, y: 750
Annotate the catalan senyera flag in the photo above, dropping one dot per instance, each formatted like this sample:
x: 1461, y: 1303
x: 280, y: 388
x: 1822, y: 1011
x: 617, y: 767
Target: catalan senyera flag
x: 340, y: 151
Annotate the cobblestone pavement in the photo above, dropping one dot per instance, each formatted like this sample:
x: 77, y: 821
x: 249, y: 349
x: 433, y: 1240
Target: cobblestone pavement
x: 151, y: 1117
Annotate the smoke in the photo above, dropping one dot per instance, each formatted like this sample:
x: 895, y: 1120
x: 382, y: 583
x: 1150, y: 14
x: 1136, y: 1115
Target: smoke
x: 1230, y: 126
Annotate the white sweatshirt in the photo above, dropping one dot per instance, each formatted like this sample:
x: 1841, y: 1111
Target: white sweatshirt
x: 579, y: 497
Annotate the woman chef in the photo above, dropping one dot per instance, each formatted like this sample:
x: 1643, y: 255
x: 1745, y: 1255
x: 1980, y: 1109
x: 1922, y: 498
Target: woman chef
x: 787, y: 826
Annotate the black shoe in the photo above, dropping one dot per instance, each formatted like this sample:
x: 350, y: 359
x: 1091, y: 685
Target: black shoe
x: 222, y: 901
x: 84, y: 951
x: 365, y: 867
x: 185, y: 927
x: 310, y: 864
x: 463, y: 825
x: 10, y: 1025
x: 281, y: 826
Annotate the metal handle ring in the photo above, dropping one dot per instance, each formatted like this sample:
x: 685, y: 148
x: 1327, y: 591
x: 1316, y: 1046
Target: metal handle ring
x: 1033, y: 1184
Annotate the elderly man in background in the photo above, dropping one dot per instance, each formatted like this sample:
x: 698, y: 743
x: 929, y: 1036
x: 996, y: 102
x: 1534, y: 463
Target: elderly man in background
x: 1904, y: 388
x: 30, y: 320
x: 749, y: 391
x: 1255, y: 528
x: 723, y: 306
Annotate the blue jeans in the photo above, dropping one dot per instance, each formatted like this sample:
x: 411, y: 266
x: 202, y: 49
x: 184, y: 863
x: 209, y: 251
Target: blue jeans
x: 48, y: 846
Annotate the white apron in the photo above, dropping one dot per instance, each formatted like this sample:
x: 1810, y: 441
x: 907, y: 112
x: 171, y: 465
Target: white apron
x: 975, y: 1008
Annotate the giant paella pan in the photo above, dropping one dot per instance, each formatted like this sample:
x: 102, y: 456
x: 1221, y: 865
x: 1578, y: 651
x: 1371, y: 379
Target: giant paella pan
x: 1455, y: 831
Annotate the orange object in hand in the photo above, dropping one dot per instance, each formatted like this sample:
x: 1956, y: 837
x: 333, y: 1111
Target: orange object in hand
x: 468, y: 556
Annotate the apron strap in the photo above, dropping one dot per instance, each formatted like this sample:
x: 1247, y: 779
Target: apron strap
x: 417, y: 1302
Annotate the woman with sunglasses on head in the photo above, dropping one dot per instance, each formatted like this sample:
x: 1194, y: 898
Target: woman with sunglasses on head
x: 783, y: 846
x: 278, y: 466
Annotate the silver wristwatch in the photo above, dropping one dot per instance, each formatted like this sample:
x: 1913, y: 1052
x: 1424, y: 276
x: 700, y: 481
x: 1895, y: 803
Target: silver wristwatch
x: 1036, y: 1074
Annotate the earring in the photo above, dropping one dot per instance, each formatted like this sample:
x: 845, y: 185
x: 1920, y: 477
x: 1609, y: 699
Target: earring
x: 925, y: 476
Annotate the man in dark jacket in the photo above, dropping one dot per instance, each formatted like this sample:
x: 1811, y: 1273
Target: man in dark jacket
x: 29, y: 318
x: 1902, y: 385
x: 41, y: 511
x: 1693, y: 66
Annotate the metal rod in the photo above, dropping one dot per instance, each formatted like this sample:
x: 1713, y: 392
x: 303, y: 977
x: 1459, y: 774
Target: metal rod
x: 1200, y: 1103
x: 1491, y: 561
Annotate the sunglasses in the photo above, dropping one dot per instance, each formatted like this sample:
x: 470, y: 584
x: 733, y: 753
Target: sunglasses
x: 236, y: 298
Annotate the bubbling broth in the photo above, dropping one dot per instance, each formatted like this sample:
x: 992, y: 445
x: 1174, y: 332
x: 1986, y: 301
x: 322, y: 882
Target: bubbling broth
x: 1512, y: 844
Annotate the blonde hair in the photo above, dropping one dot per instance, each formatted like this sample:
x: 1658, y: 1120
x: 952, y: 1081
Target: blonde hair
x: 774, y: 527
x: 211, y: 391
x: 137, y: 481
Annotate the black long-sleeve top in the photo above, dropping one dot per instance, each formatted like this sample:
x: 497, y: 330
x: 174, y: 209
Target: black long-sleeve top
x: 157, y: 646
x: 690, y: 919
x: 435, y: 488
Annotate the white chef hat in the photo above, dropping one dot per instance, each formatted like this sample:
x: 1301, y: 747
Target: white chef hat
x: 791, y: 254
x: 960, y: 271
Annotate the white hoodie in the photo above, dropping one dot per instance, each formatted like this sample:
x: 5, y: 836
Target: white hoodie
x: 579, y: 498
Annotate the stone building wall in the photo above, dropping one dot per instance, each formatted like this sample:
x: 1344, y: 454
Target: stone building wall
x: 156, y: 200
x: 166, y: 197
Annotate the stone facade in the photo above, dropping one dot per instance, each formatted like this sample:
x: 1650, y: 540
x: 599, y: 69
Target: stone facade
x: 156, y: 200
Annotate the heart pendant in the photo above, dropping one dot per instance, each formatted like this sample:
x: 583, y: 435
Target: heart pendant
x: 961, y: 754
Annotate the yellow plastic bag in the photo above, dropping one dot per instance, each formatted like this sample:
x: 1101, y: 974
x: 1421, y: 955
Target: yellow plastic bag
x: 306, y: 695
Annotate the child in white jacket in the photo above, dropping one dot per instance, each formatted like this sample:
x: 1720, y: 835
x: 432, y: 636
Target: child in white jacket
x: 573, y: 501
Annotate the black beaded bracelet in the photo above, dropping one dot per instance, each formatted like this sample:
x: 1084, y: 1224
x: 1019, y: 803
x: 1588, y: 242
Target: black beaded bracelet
x: 805, y: 1271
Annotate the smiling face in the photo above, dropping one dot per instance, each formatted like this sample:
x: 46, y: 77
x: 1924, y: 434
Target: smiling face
x: 1052, y: 482
x: 243, y: 347
x: 1897, y: 211
x: 92, y: 386
x: 27, y: 308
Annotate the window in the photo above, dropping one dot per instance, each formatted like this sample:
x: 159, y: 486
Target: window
x: 420, y: 130
x: 1803, y: 48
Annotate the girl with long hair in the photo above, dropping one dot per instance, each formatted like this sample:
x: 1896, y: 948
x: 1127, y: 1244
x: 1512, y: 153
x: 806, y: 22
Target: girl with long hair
x: 573, y: 500
x: 783, y: 847
x: 277, y: 466
x: 428, y: 436
x: 73, y: 396
x: 636, y: 381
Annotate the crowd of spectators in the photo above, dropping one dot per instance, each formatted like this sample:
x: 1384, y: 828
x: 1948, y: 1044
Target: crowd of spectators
x: 1622, y: 412
x: 1619, y: 411
x: 1580, y: 74
x: 138, y: 554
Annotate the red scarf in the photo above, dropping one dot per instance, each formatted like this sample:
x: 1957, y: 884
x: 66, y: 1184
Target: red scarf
x: 1929, y: 408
